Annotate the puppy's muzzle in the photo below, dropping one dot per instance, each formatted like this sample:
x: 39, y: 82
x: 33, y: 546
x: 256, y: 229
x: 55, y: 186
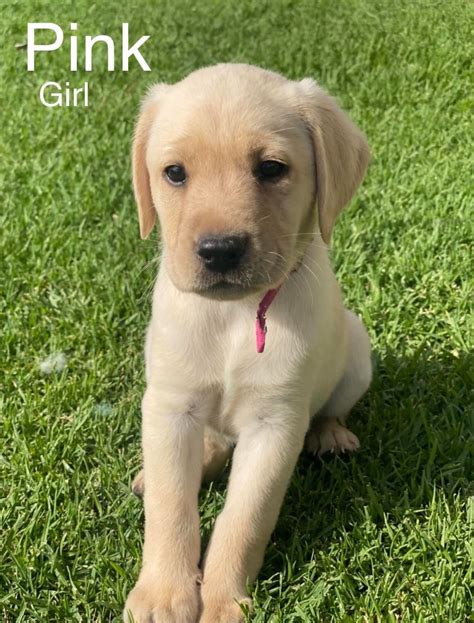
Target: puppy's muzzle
x: 221, y: 254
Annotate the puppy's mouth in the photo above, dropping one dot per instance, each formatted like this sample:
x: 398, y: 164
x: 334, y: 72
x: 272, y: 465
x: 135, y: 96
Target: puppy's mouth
x: 226, y: 290
x: 232, y: 285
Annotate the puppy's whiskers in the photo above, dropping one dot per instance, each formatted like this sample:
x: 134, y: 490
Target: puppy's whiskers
x: 305, y: 265
x: 307, y: 237
x: 264, y: 218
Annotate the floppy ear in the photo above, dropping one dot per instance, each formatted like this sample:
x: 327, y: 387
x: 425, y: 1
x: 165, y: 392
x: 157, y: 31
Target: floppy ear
x: 341, y: 153
x: 141, y: 176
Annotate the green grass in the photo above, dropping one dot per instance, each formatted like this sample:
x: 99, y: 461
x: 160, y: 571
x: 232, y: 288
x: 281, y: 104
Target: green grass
x: 381, y: 536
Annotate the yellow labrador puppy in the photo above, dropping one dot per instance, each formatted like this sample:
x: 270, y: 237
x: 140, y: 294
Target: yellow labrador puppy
x: 249, y: 339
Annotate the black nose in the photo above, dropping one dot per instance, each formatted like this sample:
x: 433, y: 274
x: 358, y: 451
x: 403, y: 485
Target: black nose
x: 222, y: 253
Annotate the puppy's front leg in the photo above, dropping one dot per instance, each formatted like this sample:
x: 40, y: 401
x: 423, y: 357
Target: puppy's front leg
x: 167, y: 589
x: 266, y: 453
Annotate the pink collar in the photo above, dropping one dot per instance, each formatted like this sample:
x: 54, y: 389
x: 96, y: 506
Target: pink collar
x: 261, y: 322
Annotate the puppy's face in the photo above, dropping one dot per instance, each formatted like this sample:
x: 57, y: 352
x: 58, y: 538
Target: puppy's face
x: 231, y: 174
x: 228, y: 161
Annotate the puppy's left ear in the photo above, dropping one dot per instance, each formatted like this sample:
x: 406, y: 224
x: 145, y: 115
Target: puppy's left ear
x: 141, y: 176
x: 341, y: 153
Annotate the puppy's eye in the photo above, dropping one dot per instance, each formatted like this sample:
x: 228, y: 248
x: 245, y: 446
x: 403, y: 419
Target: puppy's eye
x: 271, y: 170
x: 175, y: 174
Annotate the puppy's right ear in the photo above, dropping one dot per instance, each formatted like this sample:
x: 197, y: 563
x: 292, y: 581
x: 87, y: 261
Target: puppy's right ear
x: 341, y: 153
x: 141, y: 176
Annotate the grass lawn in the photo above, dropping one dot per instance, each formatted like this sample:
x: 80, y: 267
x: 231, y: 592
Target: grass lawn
x: 380, y: 536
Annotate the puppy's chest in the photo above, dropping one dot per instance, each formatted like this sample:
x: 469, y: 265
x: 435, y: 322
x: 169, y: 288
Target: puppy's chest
x: 217, y: 349
x: 233, y: 374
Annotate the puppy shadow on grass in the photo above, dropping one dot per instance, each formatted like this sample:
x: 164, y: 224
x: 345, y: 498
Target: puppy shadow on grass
x: 413, y: 426
x: 414, y: 430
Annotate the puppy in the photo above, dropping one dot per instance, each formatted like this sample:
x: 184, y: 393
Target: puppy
x: 249, y: 339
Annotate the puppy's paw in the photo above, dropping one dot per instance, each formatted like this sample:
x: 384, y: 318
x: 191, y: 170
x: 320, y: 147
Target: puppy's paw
x: 225, y: 610
x: 138, y: 484
x: 151, y: 602
x: 327, y: 435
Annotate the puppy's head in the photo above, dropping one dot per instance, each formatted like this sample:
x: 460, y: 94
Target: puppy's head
x: 242, y: 166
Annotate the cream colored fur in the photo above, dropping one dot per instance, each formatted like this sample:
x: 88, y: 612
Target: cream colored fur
x: 206, y: 385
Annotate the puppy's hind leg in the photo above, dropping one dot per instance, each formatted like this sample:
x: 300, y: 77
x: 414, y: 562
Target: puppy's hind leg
x: 327, y: 431
x: 217, y: 451
x: 138, y: 484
